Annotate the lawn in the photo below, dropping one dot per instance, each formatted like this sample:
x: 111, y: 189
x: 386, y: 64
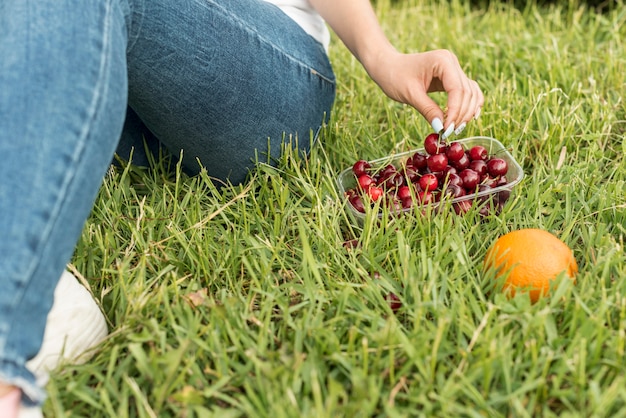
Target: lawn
x: 244, y: 302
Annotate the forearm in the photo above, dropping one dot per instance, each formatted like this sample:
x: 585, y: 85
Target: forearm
x: 356, y: 24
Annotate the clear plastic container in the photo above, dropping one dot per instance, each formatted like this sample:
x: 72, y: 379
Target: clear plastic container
x: 346, y: 180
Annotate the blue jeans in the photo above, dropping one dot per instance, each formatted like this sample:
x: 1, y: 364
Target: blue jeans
x: 213, y: 79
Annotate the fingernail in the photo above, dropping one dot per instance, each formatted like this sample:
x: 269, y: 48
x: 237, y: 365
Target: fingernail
x: 477, y: 115
x: 448, y: 131
x: 459, y: 129
x: 437, y: 125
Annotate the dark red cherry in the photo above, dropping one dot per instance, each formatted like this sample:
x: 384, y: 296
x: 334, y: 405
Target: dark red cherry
x: 454, y: 179
x: 479, y: 166
x: 419, y: 160
x: 394, y: 180
x: 357, y: 203
x: 361, y: 167
x: 437, y: 162
x: 404, y: 192
x: 497, y: 167
x: 462, y: 163
x: 454, y: 191
x: 478, y: 152
x: 470, y: 178
x: 455, y: 151
x: 462, y: 207
x: 394, y: 302
x: 411, y: 173
x: 432, y: 145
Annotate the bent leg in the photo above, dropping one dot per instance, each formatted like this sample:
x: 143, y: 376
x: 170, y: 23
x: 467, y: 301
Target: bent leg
x: 63, y: 97
x: 217, y: 79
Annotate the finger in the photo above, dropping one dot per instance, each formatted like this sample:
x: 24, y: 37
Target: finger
x: 469, y: 101
x: 429, y: 109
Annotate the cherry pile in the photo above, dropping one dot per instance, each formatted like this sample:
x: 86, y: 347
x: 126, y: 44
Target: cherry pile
x: 442, y: 171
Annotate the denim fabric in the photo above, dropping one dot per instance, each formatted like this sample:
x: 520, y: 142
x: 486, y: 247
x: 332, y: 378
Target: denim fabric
x: 214, y: 79
x: 220, y: 79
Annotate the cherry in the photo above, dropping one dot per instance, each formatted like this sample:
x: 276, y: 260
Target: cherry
x: 357, y: 203
x: 365, y: 181
x: 462, y: 163
x: 478, y: 152
x: 479, y: 166
x: 407, y: 203
x: 411, y: 173
x: 428, y: 182
x: 470, y: 178
x: 395, y: 205
x: 454, y: 179
x: 449, y: 170
x: 454, y: 191
x: 361, y: 167
x: 503, y: 196
x: 425, y: 197
x: 394, y: 302
x: 497, y: 167
x: 394, y: 180
x: 404, y: 192
x: 419, y: 160
x: 375, y: 193
x: 441, y: 170
x: 432, y: 145
x: 387, y: 172
x: 462, y: 207
x: 437, y: 162
x: 455, y: 151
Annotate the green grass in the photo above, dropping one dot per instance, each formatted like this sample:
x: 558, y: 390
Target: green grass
x: 244, y: 302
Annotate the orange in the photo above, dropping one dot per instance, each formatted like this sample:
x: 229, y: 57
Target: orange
x: 528, y: 260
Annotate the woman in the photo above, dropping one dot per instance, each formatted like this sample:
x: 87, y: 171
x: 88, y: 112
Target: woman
x: 218, y: 83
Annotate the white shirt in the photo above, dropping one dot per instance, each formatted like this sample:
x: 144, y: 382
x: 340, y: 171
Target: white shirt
x: 303, y: 13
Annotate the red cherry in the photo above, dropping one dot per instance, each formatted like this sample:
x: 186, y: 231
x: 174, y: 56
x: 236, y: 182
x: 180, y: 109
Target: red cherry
x: 470, y: 178
x: 419, y: 160
x: 428, y: 182
x: 497, y: 167
x: 375, y: 193
x: 407, y: 203
x: 365, y: 181
x: 387, y: 172
x: 437, y: 162
x: 361, y: 167
x: 479, y: 166
x: 432, y: 144
x: 455, y: 151
x: 394, y: 180
x: 404, y: 192
x: 357, y: 203
x: 454, y: 191
x: 462, y: 163
x: 394, y: 302
x: 411, y: 173
x: 425, y: 197
x: 462, y: 207
x: 454, y: 179
x: 478, y: 152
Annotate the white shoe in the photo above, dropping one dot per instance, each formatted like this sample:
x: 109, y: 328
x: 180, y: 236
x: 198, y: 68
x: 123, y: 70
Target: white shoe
x: 75, y: 325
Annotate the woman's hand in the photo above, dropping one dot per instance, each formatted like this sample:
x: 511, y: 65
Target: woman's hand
x: 408, y: 78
